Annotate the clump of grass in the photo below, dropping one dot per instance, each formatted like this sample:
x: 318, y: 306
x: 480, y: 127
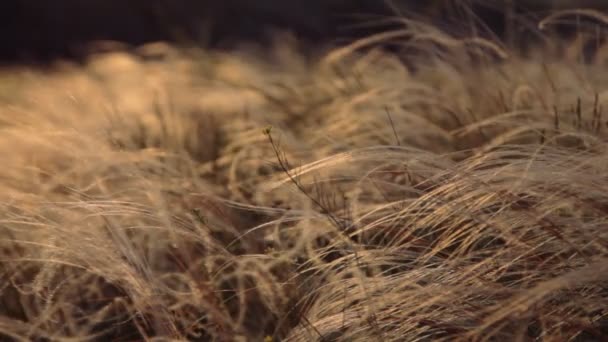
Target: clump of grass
x: 463, y: 199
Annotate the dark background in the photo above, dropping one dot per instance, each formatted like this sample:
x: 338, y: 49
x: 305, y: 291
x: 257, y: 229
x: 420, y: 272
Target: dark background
x: 41, y: 30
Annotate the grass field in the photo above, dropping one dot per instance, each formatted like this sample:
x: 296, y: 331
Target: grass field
x: 167, y: 194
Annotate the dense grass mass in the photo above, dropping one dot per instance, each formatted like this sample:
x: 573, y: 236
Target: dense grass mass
x: 456, y: 193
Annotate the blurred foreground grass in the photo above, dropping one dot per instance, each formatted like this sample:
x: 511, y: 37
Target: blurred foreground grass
x: 190, y: 195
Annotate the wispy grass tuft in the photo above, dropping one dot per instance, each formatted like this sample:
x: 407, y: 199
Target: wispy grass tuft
x: 204, y: 196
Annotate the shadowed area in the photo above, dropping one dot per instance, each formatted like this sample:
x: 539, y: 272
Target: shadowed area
x: 33, y: 30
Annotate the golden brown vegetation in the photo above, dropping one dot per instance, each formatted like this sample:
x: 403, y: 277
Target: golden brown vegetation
x: 192, y: 195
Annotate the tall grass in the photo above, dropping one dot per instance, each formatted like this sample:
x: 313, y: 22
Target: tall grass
x: 461, y: 195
